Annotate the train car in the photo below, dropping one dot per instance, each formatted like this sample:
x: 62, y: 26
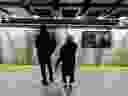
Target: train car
x: 16, y: 39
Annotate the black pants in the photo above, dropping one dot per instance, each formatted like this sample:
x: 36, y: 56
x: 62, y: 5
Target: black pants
x: 45, y: 62
x: 44, y: 52
x: 68, y: 71
x: 45, y: 65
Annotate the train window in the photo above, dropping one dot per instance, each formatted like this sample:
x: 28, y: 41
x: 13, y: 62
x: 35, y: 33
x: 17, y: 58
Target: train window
x: 88, y: 39
x: 93, y: 39
x: 105, y: 40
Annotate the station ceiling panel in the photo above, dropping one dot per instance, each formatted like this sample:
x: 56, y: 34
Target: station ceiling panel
x: 103, y: 1
x: 19, y: 12
x: 40, y: 1
x: 125, y: 2
x: 9, y: 0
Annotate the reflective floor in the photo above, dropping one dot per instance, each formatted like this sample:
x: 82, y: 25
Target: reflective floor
x: 91, y: 83
x: 102, y: 84
x: 28, y: 84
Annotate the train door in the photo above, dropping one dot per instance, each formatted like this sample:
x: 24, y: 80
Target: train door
x: 119, y: 51
x: 88, y: 41
x: 92, y: 46
x: 16, y: 45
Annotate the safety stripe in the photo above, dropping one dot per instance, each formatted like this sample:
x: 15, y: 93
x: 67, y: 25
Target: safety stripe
x: 104, y: 68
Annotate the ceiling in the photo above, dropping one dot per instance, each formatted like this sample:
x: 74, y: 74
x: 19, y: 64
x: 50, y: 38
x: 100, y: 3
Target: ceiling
x: 77, y: 1
x: 71, y: 1
x: 9, y: 0
x: 19, y: 12
x: 91, y: 11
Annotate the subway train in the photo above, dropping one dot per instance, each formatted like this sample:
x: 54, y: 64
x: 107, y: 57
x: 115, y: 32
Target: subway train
x: 98, y: 44
x: 89, y: 38
x: 16, y: 44
x: 93, y: 40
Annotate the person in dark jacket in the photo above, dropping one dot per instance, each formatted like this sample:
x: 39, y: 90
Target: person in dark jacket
x: 67, y: 56
x: 45, y: 47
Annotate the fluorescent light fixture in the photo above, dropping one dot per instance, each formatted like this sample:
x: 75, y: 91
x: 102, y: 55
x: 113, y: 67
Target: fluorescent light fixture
x: 123, y: 18
x: 36, y: 16
x: 78, y: 17
x: 101, y: 17
x: 13, y: 15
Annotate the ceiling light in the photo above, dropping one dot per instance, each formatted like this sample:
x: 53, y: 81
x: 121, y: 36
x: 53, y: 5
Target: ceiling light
x: 13, y: 15
x: 36, y: 16
x: 101, y: 18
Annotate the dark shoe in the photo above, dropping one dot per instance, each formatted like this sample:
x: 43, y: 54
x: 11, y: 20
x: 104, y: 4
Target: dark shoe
x: 51, y: 80
x: 44, y: 82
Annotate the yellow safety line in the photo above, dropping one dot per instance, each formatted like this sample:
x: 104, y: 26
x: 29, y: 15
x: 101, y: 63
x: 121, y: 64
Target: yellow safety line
x: 104, y: 68
x: 15, y: 68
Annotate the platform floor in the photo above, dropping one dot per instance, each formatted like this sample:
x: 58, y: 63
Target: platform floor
x: 91, y: 84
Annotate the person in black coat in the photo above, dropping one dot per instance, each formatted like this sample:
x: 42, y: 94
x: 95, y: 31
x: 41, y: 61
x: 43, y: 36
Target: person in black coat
x: 45, y: 47
x: 67, y: 56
